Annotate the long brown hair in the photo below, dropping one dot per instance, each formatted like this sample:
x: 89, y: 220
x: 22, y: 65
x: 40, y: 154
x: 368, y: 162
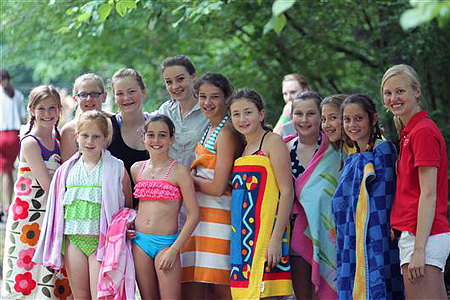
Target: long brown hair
x: 255, y: 98
x: 337, y: 100
x: 38, y: 94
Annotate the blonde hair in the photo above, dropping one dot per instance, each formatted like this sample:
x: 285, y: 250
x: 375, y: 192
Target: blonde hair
x: 88, y: 77
x: 302, y: 81
x: 413, y: 77
x: 128, y: 72
x: 38, y: 94
x: 100, y: 119
x: 401, y: 69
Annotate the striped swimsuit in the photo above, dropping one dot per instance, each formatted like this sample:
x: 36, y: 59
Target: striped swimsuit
x: 211, y: 142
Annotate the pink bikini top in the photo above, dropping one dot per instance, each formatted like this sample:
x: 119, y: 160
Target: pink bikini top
x: 157, y: 189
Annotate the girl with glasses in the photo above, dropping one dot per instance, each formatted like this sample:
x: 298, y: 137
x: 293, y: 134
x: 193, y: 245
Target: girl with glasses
x: 89, y: 93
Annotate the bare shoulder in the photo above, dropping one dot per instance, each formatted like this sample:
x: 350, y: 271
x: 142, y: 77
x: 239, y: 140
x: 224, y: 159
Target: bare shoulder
x: 69, y: 128
x: 230, y: 134
x: 227, y: 131
x: 179, y: 171
x: 274, y: 138
x: 136, y: 165
x: 274, y: 143
x: 29, y: 148
x: 179, y: 174
x: 29, y: 142
x: 135, y: 168
x: 228, y: 126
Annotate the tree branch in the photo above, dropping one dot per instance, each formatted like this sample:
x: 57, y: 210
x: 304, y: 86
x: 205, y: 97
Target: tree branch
x: 338, y: 48
x: 333, y: 84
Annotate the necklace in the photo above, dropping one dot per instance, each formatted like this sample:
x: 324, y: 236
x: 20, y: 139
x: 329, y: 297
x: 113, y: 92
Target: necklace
x: 153, y: 171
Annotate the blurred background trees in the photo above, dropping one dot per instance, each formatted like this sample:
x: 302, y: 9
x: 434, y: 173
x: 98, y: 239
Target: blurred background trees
x: 341, y: 47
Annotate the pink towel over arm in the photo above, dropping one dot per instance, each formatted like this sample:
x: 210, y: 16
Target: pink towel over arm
x: 117, y: 276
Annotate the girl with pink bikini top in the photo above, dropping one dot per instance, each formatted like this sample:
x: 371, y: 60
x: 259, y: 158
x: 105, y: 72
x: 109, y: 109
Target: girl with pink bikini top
x: 161, y: 186
x: 157, y: 189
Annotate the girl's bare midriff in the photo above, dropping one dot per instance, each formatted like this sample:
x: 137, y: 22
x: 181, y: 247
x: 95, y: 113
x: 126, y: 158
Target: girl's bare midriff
x: 158, y: 216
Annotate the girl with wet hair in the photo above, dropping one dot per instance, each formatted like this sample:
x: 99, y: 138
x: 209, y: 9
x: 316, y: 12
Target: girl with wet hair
x: 261, y: 203
x: 206, y: 256
x: 367, y: 258
x: 129, y: 93
x: 39, y: 157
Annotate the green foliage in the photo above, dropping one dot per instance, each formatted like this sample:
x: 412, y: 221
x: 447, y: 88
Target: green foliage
x: 123, y: 6
x: 280, y: 6
x: 277, y: 23
x: 278, y: 20
x: 341, y: 47
x: 425, y: 11
x: 103, y: 11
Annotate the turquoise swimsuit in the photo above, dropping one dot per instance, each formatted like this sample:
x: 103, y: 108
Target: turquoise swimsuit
x: 152, y: 244
x: 155, y: 190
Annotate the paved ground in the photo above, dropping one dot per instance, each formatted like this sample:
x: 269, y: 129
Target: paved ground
x: 2, y: 243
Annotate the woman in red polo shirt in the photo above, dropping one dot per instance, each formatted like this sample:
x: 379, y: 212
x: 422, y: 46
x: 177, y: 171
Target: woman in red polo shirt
x: 420, y: 208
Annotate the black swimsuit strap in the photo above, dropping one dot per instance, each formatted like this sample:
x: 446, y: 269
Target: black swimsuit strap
x: 262, y: 140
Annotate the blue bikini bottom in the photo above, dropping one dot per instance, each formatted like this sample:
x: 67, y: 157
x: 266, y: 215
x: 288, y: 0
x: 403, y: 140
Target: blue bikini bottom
x: 152, y: 244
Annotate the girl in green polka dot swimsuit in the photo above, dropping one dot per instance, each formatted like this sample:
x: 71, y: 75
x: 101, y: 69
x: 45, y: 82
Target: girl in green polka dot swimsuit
x: 83, y: 204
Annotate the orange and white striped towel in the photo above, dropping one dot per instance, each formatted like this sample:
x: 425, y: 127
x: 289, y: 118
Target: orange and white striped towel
x: 206, y: 255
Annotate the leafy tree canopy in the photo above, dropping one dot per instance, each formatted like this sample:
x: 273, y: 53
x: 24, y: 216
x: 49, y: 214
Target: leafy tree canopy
x: 341, y: 47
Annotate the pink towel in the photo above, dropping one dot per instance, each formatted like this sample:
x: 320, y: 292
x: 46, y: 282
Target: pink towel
x: 117, y: 276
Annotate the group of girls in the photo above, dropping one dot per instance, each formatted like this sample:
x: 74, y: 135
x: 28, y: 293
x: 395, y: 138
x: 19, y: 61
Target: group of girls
x: 390, y: 224
x: 225, y: 208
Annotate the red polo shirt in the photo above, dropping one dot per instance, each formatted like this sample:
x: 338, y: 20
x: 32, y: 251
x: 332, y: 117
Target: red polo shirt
x: 422, y: 144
